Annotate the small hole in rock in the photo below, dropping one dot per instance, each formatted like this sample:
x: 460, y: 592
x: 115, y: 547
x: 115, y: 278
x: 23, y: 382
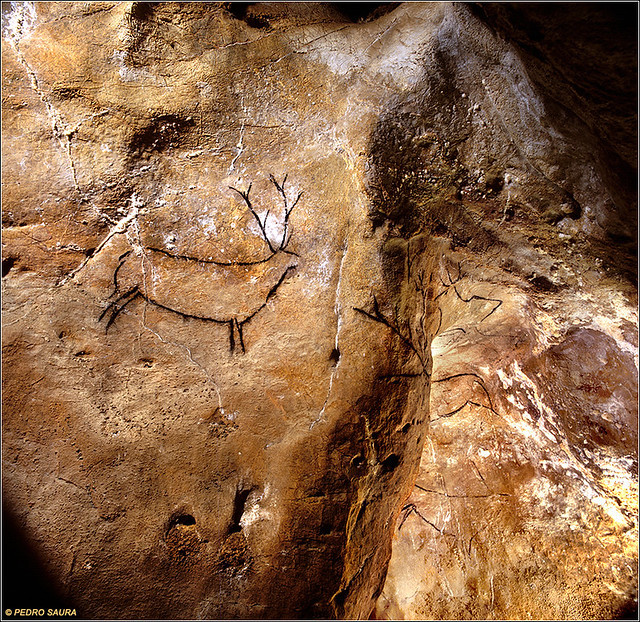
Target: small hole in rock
x: 542, y: 283
x: 239, y: 504
x: 239, y: 9
x: 390, y: 462
x: 142, y: 11
x: 334, y: 357
x: 257, y: 21
x: 325, y: 528
x: 183, y: 519
x: 7, y: 264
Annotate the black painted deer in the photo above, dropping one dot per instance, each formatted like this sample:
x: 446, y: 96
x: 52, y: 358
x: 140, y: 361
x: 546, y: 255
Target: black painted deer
x: 183, y: 284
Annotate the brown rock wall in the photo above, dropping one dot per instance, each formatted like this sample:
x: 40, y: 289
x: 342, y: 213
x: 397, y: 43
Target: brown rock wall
x: 255, y: 259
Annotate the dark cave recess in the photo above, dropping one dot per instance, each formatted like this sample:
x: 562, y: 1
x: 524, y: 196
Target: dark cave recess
x: 352, y: 11
x: 25, y: 583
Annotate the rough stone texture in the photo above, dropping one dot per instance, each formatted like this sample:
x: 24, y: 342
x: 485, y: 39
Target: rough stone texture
x: 220, y: 382
x: 526, y: 502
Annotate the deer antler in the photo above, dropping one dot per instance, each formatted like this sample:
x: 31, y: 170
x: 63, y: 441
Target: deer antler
x: 287, y: 210
x: 245, y: 197
x: 286, y: 237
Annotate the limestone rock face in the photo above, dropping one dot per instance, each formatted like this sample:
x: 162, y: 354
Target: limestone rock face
x: 266, y: 267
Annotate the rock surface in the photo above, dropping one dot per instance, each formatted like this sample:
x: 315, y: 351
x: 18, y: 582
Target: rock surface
x: 267, y: 266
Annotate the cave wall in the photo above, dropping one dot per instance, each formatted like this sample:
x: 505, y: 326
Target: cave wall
x: 288, y: 287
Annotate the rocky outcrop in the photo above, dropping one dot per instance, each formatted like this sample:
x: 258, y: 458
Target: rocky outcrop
x: 259, y: 260
x: 526, y: 501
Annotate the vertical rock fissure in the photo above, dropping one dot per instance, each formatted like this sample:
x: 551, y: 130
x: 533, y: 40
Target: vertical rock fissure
x: 337, y: 308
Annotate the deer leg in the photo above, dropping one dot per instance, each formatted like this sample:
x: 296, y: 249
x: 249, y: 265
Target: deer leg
x: 115, y: 302
x: 241, y: 338
x: 116, y: 310
x: 122, y: 259
x: 232, y: 341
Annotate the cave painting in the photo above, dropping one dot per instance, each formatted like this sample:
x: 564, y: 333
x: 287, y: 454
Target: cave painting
x: 419, y: 338
x: 181, y: 283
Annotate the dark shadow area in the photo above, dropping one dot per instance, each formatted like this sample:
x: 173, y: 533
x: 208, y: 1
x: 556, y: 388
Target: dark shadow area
x: 240, y: 11
x: 583, y: 57
x: 629, y: 612
x: 353, y: 11
x: 25, y: 583
x: 364, y: 11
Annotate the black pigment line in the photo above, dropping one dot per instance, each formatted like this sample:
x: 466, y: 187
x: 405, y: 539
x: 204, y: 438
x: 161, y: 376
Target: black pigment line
x: 115, y: 302
x: 215, y: 262
x: 247, y: 200
x: 120, y: 309
x: 121, y: 259
x: 476, y: 297
x: 478, y: 378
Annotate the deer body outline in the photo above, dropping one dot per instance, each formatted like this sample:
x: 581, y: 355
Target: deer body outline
x: 244, y: 287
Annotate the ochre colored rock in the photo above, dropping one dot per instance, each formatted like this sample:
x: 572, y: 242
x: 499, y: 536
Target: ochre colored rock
x: 288, y: 284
